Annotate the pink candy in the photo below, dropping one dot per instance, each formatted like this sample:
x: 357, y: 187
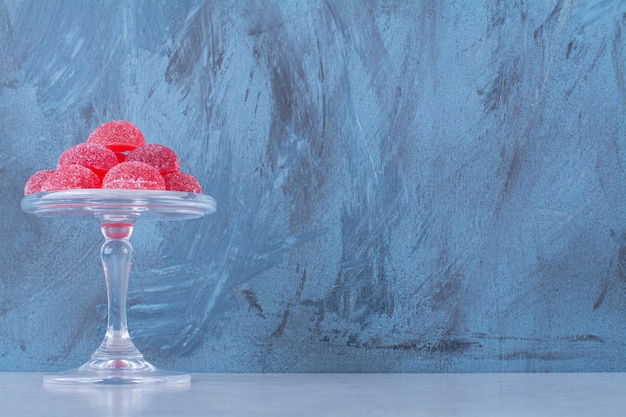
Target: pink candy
x: 161, y: 157
x: 68, y: 177
x: 181, y: 181
x: 115, y: 156
x: 91, y: 155
x: 134, y: 175
x: 117, y: 135
x: 34, y: 183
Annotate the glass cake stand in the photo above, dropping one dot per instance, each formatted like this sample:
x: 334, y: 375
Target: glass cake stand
x: 117, y: 360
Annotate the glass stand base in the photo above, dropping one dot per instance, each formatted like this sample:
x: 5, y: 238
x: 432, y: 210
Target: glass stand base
x: 117, y: 361
x: 117, y: 372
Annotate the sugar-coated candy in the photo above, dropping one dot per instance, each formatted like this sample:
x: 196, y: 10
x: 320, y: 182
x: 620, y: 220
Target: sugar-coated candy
x: 115, y: 156
x: 161, y: 157
x: 117, y: 135
x: 68, y: 177
x: 133, y: 175
x: 34, y: 183
x: 181, y: 181
x: 94, y: 156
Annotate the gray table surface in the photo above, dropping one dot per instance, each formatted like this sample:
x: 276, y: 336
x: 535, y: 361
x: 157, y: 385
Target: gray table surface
x: 319, y: 395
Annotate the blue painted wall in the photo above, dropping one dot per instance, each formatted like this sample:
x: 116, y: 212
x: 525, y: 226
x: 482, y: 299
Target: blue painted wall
x: 402, y: 186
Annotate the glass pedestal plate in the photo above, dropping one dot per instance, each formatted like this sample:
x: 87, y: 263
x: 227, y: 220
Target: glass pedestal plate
x: 117, y: 360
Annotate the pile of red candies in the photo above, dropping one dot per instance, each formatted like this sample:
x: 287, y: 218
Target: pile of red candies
x: 115, y: 156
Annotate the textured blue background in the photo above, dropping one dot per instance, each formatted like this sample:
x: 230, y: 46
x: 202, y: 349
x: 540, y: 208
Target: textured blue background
x: 402, y: 186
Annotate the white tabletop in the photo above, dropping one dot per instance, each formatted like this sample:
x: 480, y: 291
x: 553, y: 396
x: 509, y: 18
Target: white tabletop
x: 319, y: 395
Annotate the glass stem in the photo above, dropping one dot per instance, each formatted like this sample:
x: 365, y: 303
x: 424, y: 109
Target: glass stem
x: 116, y: 255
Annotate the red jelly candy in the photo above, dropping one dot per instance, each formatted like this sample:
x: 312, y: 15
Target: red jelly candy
x: 117, y: 135
x: 181, y: 181
x: 161, y: 157
x: 34, y: 183
x: 133, y: 175
x: 121, y: 156
x: 68, y: 177
x: 94, y: 156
